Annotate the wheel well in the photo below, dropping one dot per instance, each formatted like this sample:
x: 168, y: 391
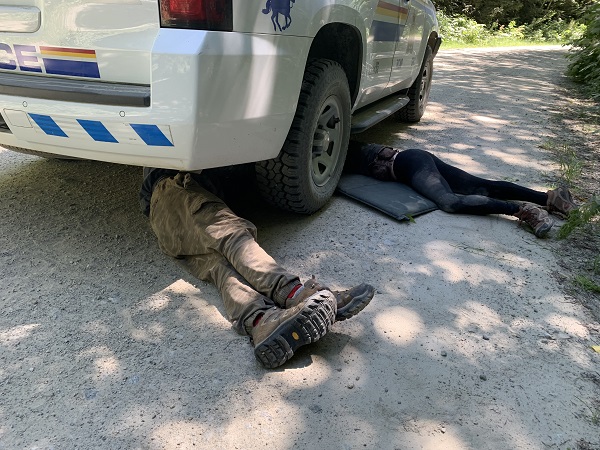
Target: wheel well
x: 341, y: 43
x: 432, y: 42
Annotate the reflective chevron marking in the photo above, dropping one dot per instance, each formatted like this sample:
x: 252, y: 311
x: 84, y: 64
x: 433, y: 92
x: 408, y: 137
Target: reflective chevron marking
x: 109, y: 132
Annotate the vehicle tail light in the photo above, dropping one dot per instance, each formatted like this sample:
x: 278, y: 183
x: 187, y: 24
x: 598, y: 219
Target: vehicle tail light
x: 196, y: 14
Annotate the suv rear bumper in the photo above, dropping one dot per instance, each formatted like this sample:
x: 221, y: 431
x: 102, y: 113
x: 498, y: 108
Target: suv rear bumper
x: 78, y: 91
x: 215, y: 99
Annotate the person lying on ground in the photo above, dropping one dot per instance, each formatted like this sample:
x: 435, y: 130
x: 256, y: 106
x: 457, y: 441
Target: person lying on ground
x: 455, y: 191
x: 261, y: 298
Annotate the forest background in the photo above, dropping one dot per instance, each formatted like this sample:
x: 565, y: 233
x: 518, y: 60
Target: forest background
x: 524, y: 22
x: 575, y: 24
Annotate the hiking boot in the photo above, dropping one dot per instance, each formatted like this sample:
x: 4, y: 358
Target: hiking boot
x: 561, y: 201
x: 349, y: 302
x: 280, y: 332
x: 373, y: 160
x: 536, y: 217
x: 353, y: 301
x: 301, y: 293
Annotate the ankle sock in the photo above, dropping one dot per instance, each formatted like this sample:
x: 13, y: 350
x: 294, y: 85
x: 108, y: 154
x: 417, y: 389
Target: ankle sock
x: 295, y: 290
x: 257, y: 319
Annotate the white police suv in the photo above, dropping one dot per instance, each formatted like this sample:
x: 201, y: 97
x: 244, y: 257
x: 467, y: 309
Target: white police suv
x: 193, y: 84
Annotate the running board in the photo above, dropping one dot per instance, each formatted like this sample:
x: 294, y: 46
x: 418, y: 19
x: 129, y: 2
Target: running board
x: 373, y: 114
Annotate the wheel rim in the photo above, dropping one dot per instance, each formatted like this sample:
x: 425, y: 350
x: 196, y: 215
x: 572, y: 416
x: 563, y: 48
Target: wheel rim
x: 424, y: 88
x: 327, y: 141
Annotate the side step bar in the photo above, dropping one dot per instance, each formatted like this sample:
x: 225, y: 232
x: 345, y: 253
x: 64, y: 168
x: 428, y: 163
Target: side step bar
x: 373, y: 114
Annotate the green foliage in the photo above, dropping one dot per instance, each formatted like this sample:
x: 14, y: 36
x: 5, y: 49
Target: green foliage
x: 587, y: 284
x: 584, y: 215
x: 596, y: 265
x: 585, y: 55
x: 570, y: 165
x: 460, y: 29
x: 523, y: 12
x: 550, y: 29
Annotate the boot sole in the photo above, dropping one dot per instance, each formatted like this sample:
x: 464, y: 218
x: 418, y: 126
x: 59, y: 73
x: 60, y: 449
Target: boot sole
x: 310, y: 324
x: 543, y: 231
x: 540, y: 232
x: 357, y: 304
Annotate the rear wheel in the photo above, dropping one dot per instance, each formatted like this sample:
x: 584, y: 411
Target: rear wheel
x: 418, y: 93
x: 305, y: 174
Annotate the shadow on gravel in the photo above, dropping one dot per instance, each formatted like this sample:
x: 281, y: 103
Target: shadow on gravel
x: 106, y: 343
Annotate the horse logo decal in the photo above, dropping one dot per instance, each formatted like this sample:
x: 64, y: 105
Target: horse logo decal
x: 277, y: 7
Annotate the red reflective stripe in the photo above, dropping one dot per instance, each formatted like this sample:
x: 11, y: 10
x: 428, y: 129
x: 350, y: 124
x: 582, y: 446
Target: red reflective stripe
x: 67, y: 50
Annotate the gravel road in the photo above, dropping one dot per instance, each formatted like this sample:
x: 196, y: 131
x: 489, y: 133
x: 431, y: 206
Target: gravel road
x: 470, y: 342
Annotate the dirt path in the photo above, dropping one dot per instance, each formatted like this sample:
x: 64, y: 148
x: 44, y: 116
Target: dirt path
x: 469, y: 343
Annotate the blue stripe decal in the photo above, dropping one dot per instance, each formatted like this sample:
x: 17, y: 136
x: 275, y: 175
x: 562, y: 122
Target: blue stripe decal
x: 48, y: 125
x: 71, y: 68
x: 385, y: 31
x: 151, y: 135
x: 97, y: 130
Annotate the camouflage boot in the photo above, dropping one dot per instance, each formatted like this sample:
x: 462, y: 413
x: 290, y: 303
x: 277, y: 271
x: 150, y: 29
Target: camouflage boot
x: 352, y: 301
x: 560, y: 201
x: 349, y: 302
x: 280, y: 332
x: 536, y: 217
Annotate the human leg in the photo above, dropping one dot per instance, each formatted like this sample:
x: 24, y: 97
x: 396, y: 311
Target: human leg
x: 457, y: 191
x: 390, y: 164
x: 266, y: 276
x: 241, y: 301
x: 215, y: 227
x: 462, y: 182
x: 452, y: 189
x: 215, y: 245
x: 276, y: 333
x: 420, y: 170
x: 190, y: 221
x: 557, y: 200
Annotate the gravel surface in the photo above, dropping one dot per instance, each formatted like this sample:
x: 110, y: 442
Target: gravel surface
x: 472, y: 341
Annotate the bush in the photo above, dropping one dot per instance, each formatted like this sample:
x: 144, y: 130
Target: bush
x: 461, y: 29
x: 522, y: 12
x: 585, y: 54
x: 550, y: 29
x: 510, y: 31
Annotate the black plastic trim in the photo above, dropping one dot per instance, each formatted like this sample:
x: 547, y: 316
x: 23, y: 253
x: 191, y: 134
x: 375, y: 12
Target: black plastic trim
x: 436, y: 46
x: 4, y: 126
x: 79, y: 91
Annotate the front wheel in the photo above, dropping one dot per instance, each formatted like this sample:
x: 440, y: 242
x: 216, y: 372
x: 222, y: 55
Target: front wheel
x: 418, y: 93
x: 305, y: 174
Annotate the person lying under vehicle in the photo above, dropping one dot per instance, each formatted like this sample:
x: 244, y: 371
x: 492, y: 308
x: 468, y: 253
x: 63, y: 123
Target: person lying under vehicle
x: 455, y: 191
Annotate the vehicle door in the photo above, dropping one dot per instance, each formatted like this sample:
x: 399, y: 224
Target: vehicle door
x: 410, y: 47
x: 382, y: 23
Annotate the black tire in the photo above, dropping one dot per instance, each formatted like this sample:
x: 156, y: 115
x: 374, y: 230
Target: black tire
x: 37, y: 153
x: 418, y: 93
x: 305, y: 174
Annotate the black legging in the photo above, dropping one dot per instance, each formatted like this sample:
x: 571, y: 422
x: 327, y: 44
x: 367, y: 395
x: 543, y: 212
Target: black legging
x: 440, y: 182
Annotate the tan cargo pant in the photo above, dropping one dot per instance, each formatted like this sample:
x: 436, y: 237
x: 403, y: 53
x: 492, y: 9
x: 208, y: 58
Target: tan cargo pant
x: 215, y: 245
